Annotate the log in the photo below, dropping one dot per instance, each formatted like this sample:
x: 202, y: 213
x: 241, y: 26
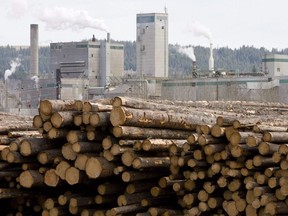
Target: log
x: 275, y: 137
x: 67, y: 152
x: 74, y: 176
x: 55, y: 133
x: 100, y: 119
x: 268, y: 128
x: 99, y: 106
x: 31, y: 133
x: 74, y: 136
x: 31, y: 178
x: 208, y: 139
x: 51, y: 178
x: 128, y: 199
x: 47, y: 126
x: 16, y: 126
x: 266, y: 148
x: 158, y: 119
x: 82, y: 147
x: 144, y: 133
x: 129, y: 176
x: 140, y: 186
x: 109, y: 188
x: 61, y: 169
x: 160, y: 144
x: 97, y: 167
x: 61, y: 119
x: 217, y: 131
x: 47, y: 107
x: 108, y: 141
x: 37, y: 121
x: 132, y: 208
x: 32, y: 146
x: 49, y: 156
x: 151, y: 162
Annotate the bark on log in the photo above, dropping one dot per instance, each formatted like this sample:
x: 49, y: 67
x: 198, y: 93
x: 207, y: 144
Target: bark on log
x: 51, y: 178
x: 275, y: 137
x: 47, y: 107
x: 144, y: 133
x: 160, y: 144
x: 48, y: 156
x: 158, y: 119
x: 151, y: 162
x: 97, y: 106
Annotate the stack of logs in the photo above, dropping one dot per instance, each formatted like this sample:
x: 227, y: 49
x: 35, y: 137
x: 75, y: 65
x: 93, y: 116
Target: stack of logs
x: 126, y: 156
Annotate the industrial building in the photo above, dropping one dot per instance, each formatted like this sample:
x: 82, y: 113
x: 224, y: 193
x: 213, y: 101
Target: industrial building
x: 152, y: 45
x: 275, y: 65
x: 86, y: 65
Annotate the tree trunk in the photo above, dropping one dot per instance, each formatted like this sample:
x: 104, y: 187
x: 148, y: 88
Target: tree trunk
x: 47, y: 107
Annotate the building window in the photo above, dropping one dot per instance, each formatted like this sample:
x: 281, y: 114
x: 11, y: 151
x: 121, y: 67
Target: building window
x: 91, y: 55
x: 278, y: 69
x: 143, y: 48
x: 162, y: 27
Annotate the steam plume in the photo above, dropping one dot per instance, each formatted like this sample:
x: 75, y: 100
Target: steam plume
x: 189, y: 51
x: 13, y: 65
x: 18, y: 8
x: 200, y: 30
x: 63, y: 18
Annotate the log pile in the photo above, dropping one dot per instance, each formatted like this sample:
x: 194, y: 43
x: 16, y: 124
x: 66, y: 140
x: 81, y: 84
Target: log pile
x: 126, y: 156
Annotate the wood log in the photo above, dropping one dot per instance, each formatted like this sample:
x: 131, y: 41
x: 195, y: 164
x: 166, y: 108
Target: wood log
x: 144, y: 133
x: 109, y: 188
x: 217, y: 131
x: 82, y: 201
x: 97, y: 167
x: 160, y: 144
x: 100, y: 119
x: 82, y: 147
x: 108, y: 141
x: 268, y: 128
x: 74, y: 136
x: 32, y: 146
x: 51, y: 178
x: 30, y: 133
x: 74, y: 176
x: 275, y: 137
x: 274, y: 208
x: 253, y: 141
x: 16, y: 126
x: 77, y: 120
x: 129, y: 176
x: 49, y: 156
x: 64, y: 118
x: 149, y: 162
x: 31, y: 178
x: 37, y: 121
x: 128, y: 199
x: 47, y: 126
x: 119, y: 150
x: 67, y: 152
x: 140, y: 186
x: 128, y: 209
x: 55, y: 133
x: 158, y: 119
x: 61, y: 169
x: 238, y: 137
x: 99, y: 106
x: 266, y: 148
x: 47, y: 107
x: 208, y: 139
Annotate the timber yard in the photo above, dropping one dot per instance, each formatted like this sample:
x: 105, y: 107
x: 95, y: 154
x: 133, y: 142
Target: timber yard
x: 88, y: 139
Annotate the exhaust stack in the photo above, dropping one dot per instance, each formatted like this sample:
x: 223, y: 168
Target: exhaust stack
x: 211, y: 59
x: 34, y: 53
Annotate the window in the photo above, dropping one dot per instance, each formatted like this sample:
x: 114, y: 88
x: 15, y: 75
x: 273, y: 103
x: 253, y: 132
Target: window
x: 278, y: 69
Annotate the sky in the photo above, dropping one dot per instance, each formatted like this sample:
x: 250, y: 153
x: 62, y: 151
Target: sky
x: 225, y: 23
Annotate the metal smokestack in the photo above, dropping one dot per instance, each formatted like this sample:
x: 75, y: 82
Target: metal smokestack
x: 211, y: 59
x: 105, y: 62
x: 34, y: 64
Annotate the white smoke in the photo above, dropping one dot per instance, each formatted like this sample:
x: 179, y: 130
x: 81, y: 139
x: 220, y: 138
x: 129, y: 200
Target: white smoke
x: 199, y: 30
x: 18, y: 9
x: 36, y: 80
x: 189, y: 51
x: 13, y: 66
x: 59, y: 18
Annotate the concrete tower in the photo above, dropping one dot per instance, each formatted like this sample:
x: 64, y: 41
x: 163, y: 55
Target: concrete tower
x: 34, y: 50
x: 152, y: 44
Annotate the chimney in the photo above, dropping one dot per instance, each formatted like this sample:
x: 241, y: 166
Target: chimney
x: 211, y: 59
x: 34, y: 64
x: 108, y: 37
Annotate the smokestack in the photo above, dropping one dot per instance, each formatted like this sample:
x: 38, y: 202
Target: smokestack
x: 105, y: 62
x: 34, y: 50
x: 211, y: 59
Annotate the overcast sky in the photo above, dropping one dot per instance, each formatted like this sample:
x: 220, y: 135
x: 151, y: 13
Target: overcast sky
x: 232, y: 23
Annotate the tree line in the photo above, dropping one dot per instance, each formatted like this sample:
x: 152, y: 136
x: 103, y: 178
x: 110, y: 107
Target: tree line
x: 243, y: 59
